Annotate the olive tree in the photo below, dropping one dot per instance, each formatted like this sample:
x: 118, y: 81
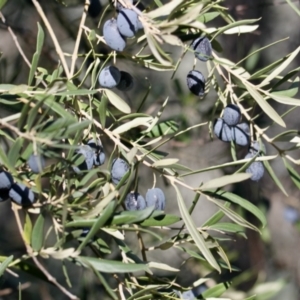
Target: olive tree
x: 76, y: 145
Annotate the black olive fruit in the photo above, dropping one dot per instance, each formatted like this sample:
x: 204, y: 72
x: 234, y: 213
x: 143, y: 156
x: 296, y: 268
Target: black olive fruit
x: 257, y: 147
x: 118, y: 170
x: 112, y: 36
x: 99, y: 155
x: 232, y: 114
x: 21, y: 194
x: 256, y: 168
x: 239, y: 136
x: 196, y: 82
x: 126, y: 82
x: 36, y: 163
x: 127, y: 22
x: 6, y: 181
x: 134, y: 201
x: 156, y: 197
x: 109, y: 77
x: 94, y: 8
x: 202, y: 48
x: 222, y: 130
x: 87, y: 153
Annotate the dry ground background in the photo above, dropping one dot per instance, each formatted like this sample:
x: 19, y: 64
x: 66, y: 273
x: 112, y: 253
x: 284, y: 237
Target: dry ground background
x: 278, y: 256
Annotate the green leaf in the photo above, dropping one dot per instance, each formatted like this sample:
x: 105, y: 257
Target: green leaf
x: 217, y: 290
x: 37, y: 236
x: 192, y: 229
x: 167, y: 162
x: 5, y: 263
x: 227, y: 196
x: 163, y: 128
x: 117, y: 102
x: 160, y: 220
x: 37, y: 54
x: 233, y: 25
x: 102, y: 110
x: 274, y: 177
x: 265, y: 106
x: 229, y: 227
x: 129, y: 217
x: 225, y: 180
x: 284, y: 99
x: 164, y: 10
x: 279, y: 69
x: 112, y: 266
x: 15, y: 150
x: 80, y: 92
x: 209, y: 16
x: 27, y: 229
x: 2, y: 3
x: 235, y: 217
x: 139, y: 121
x: 107, y: 212
x: 293, y: 173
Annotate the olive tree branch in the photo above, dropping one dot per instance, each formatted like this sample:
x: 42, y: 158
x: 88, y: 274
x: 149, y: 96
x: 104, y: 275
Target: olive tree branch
x: 53, y: 37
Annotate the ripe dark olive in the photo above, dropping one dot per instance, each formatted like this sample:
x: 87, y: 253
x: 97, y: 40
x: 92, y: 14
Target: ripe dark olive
x: 112, y: 36
x: 109, y: 77
x: 135, y: 201
x: 156, y: 197
x: 196, y: 82
x: 222, y: 130
x: 86, y: 154
x: 99, y: 155
x: 202, y: 48
x: 126, y: 82
x: 240, y: 136
x: 127, y: 22
x: 36, y: 163
x: 94, y: 8
x: 118, y: 169
x: 232, y: 114
x: 256, y: 168
x: 21, y: 194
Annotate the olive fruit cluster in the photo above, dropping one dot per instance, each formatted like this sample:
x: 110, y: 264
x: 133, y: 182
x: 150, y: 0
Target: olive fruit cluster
x: 154, y: 197
x: 115, y: 31
x: 89, y: 155
x: 256, y: 168
x: 111, y: 77
x: 229, y: 129
x: 17, y: 192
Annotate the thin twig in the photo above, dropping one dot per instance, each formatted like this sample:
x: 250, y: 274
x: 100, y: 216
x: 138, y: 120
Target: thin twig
x: 53, y: 37
x: 76, y: 47
x: 50, y: 278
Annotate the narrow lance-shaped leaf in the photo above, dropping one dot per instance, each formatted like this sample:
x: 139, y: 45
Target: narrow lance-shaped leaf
x: 112, y: 266
x: 192, y: 229
x: 265, y: 106
x: 117, y: 102
x: 279, y: 69
x: 225, y: 180
x: 36, y: 56
x: 5, y: 264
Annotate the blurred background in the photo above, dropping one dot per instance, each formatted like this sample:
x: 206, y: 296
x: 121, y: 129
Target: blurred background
x: 272, y: 258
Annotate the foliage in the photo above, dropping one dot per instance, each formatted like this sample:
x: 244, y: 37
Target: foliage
x: 79, y: 109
